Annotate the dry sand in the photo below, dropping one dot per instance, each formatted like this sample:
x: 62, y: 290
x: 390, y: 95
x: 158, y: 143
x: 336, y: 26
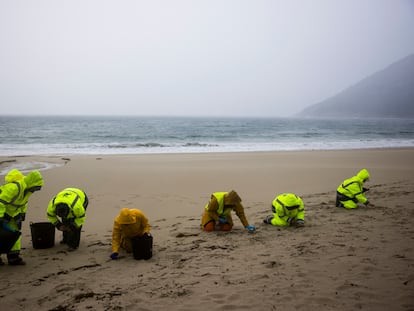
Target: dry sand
x: 341, y: 260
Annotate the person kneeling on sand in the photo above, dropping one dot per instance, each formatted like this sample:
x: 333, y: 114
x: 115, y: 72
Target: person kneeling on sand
x: 67, y: 212
x: 218, y: 210
x: 288, y: 210
x: 351, y: 191
x: 129, y: 224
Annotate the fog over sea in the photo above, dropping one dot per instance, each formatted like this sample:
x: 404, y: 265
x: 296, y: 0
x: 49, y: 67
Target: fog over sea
x: 59, y: 135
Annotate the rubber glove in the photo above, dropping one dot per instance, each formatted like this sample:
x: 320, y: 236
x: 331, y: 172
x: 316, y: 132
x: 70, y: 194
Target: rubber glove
x: 222, y: 220
x: 268, y: 219
x: 114, y: 256
x: 7, y: 227
x: 250, y: 228
x: 62, y: 227
x: 299, y: 223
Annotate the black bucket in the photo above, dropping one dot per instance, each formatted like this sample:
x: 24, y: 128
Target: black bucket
x: 142, y: 247
x: 7, y: 239
x: 43, y: 234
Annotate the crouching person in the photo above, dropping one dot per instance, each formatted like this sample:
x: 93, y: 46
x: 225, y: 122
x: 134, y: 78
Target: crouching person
x: 218, y: 211
x: 67, y: 212
x: 288, y: 210
x: 131, y: 232
x: 352, y: 191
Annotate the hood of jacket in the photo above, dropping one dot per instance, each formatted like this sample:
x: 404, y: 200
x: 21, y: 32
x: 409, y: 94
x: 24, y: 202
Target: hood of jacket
x: 363, y: 174
x: 231, y: 198
x: 34, y: 179
x: 126, y: 217
x: 13, y: 175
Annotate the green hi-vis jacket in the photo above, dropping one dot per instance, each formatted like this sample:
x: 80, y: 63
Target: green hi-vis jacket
x: 287, y: 207
x: 15, y: 193
x: 75, y: 199
x: 352, y: 188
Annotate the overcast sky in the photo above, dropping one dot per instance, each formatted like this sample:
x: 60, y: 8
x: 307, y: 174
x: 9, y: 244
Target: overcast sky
x: 192, y: 57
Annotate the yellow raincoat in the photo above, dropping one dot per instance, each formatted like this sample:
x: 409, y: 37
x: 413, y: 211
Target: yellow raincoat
x: 221, y: 205
x: 128, y: 224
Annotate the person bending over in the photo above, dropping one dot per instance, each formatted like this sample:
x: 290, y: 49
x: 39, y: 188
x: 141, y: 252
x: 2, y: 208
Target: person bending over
x: 67, y: 212
x: 218, y: 212
x: 130, y: 223
x: 288, y: 210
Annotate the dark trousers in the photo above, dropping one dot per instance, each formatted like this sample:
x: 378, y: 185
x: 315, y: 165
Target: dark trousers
x: 341, y: 198
x: 72, y: 238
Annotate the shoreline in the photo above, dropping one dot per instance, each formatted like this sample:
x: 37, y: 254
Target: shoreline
x: 97, y: 154
x: 67, y: 156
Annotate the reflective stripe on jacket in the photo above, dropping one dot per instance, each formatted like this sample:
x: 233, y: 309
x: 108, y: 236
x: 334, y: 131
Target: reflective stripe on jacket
x: 221, y: 212
x: 352, y: 189
x: 13, y: 199
x: 75, y: 199
x: 287, y: 207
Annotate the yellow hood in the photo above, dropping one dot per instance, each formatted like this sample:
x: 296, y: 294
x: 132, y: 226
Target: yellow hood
x: 126, y: 217
x: 13, y: 175
x: 34, y: 179
x: 363, y: 174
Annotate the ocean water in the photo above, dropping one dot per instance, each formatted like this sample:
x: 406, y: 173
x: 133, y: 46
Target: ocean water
x: 139, y: 135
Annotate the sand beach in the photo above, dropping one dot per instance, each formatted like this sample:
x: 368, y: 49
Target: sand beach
x: 359, y: 259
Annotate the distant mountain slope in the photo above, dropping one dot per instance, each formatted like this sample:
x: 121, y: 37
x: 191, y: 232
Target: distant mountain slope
x: 387, y: 93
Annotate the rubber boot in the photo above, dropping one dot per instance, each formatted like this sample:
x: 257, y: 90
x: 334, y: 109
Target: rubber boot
x: 15, y: 260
